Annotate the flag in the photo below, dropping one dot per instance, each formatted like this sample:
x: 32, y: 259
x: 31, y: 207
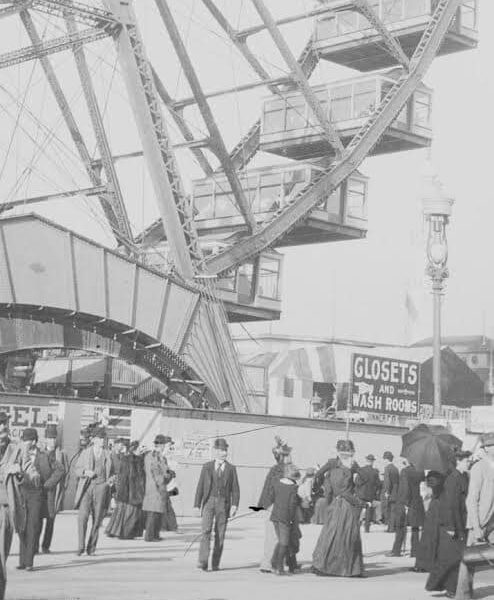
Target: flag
x: 411, y: 307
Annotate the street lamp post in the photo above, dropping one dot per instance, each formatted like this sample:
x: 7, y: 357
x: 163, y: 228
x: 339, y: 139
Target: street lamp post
x: 437, y: 211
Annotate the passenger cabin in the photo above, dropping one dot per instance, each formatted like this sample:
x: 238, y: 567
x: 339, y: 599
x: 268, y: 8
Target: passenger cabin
x: 341, y: 216
x: 290, y: 129
x: 252, y: 292
x: 347, y: 38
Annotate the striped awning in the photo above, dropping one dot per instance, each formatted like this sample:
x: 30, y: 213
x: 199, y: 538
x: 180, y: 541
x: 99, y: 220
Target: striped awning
x: 310, y: 363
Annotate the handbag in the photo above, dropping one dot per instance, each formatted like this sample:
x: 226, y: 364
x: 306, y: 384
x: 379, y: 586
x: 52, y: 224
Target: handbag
x: 479, y: 555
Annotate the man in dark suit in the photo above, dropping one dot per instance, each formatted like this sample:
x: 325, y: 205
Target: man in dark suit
x: 39, y: 475
x: 217, y: 495
x: 368, y: 486
x: 390, y: 489
x: 52, y: 498
x: 409, y: 509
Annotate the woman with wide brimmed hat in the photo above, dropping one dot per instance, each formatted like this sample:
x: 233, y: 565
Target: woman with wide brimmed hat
x: 338, y: 551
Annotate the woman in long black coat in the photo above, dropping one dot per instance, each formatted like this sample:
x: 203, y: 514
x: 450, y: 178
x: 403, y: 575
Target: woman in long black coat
x: 452, y: 528
x: 427, y: 548
x: 338, y: 551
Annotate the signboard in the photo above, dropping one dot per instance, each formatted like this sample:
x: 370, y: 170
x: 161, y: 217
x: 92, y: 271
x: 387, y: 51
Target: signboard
x: 193, y: 447
x: 25, y: 413
x: 384, y: 385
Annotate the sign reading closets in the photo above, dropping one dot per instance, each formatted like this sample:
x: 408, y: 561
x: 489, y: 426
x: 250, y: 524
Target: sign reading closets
x: 385, y: 385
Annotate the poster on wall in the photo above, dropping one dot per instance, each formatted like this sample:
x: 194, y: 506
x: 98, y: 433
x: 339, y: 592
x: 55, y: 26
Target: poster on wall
x: 385, y: 385
x: 28, y: 414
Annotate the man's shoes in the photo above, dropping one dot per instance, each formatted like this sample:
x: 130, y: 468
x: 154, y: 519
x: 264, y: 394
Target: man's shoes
x: 450, y: 594
x: 216, y: 568
x: 280, y: 572
x: 20, y: 567
x: 389, y: 554
x: 202, y: 566
x: 29, y: 568
x: 90, y: 552
x: 80, y: 552
x: 266, y: 571
x: 46, y: 551
x: 417, y: 570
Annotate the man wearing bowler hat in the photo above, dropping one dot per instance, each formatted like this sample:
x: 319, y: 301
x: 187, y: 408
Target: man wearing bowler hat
x: 217, y: 495
x: 480, y: 510
x: 53, y: 498
x: 94, y: 469
x: 9, y: 453
x: 390, y: 489
x: 38, y: 477
x: 368, y: 486
x: 158, y: 476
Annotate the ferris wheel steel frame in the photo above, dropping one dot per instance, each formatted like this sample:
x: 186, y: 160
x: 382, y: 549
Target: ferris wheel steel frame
x: 149, y: 97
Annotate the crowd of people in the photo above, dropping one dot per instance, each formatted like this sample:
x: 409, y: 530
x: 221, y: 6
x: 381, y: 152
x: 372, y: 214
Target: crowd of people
x: 450, y: 514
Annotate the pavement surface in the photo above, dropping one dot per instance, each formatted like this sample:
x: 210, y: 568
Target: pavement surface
x: 136, y: 570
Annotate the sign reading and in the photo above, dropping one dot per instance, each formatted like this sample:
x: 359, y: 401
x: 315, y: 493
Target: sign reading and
x: 385, y: 385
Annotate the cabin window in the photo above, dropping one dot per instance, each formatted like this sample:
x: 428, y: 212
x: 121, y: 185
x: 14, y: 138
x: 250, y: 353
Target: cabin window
x: 228, y: 282
x: 364, y: 98
x: 274, y: 119
x: 468, y: 14
x: 244, y: 282
x: 355, y: 204
x: 417, y: 8
x: 333, y: 203
x: 225, y: 206
x: 341, y: 103
x: 392, y: 11
x: 422, y: 109
x: 288, y: 387
x: 295, y: 114
x: 348, y: 22
x: 204, y: 207
x: 269, y: 278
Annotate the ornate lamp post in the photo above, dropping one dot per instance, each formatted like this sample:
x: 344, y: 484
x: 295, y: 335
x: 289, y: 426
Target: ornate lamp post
x: 437, y: 210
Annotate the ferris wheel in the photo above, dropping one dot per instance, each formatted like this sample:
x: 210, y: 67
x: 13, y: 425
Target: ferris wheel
x: 218, y: 233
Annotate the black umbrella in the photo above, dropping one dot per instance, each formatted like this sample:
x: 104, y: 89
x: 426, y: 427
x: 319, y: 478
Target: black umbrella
x: 430, y: 447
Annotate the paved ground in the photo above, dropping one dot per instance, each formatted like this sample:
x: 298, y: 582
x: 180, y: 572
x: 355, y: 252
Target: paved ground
x: 135, y: 570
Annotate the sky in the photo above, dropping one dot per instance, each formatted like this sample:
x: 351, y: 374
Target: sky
x: 354, y: 289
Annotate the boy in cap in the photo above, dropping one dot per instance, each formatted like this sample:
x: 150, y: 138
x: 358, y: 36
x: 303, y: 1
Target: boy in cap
x: 217, y: 495
x: 39, y: 475
x: 284, y: 517
x: 368, y: 486
x: 53, y: 498
x: 390, y: 489
x: 95, y: 470
x: 158, y: 475
x: 480, y: 510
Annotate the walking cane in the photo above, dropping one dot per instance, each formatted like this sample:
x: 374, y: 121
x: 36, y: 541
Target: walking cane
x: 230, y: 519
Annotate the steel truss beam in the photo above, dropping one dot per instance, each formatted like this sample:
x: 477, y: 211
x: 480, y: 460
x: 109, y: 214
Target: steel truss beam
x: 299, y: 76
x: 42, y: 49
x: 391, y: 43
x: 178, y: 117
x: 92, y: 191
x: 89, y: 15
x: 71, y: 124
x: 217, y: 143
x: 117, y: 201
x: 355, y: 153
x: 248, y: 31
x: 174, y: 206
x: 184, y: 102
x: 15, y: 8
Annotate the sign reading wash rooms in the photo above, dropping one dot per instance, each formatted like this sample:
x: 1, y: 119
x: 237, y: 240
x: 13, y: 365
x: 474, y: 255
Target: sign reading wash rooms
x: 384, y: 385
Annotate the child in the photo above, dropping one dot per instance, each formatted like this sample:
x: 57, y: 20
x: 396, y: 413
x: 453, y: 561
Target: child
x: 285, y: 520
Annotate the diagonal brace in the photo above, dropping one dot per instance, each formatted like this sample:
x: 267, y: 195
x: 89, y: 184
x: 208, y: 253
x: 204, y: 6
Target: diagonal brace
x: 299, y: 77
x: 217, y: 142
x: 391, y: 43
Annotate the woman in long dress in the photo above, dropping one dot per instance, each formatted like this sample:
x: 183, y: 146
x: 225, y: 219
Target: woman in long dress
x: 338, y: 551
x: 126, y: 522
x: 427, y: 548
